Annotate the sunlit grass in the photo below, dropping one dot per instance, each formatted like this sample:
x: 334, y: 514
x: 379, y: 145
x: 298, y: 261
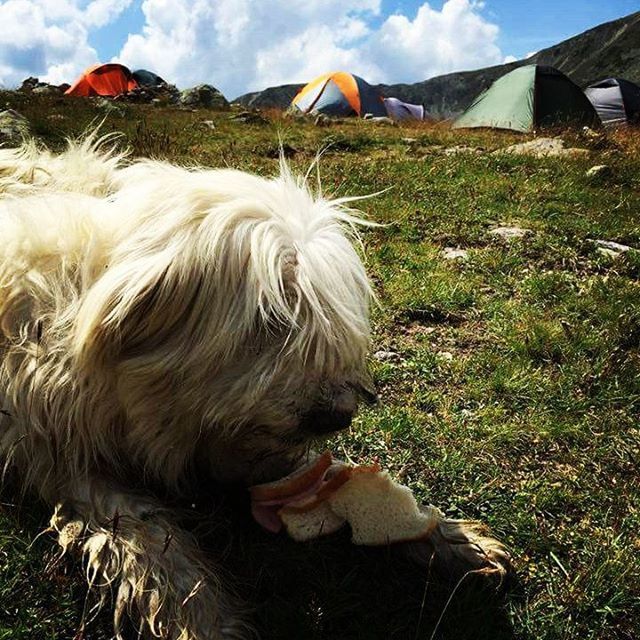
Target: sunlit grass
x: 513, y: 394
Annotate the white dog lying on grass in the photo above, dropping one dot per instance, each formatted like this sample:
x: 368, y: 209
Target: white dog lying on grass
x: 159, y: 324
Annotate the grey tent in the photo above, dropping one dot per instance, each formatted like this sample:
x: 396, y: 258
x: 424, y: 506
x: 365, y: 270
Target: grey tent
x: 147, y: 78
x: 617, y: 101
x: 527, y: 98
x: 399, y: 110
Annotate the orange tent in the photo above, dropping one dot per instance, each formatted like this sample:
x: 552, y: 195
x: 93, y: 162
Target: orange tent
x: 103, y: 80
x: 340, y: 94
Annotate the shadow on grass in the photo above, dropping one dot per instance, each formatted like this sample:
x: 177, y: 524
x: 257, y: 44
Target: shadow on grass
x: 328, y: 589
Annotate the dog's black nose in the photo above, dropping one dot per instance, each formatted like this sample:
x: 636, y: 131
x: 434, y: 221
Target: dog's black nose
x: 321, y: 422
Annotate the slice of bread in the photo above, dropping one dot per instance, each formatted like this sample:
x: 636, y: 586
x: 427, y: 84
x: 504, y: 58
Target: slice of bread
x: 381, y: 511
x: 303, y: 525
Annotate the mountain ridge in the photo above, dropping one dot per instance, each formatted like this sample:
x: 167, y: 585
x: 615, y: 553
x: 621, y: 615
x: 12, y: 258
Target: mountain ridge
x: 609, y: 49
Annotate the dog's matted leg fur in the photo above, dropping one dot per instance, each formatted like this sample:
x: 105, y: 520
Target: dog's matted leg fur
x: 455, y: 548
x: 136, y: 556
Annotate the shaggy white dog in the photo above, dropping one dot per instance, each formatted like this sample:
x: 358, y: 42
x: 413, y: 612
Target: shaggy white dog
x: 158, y: 324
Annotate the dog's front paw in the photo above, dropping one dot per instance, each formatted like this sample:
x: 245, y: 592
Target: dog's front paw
x: 455, y: 548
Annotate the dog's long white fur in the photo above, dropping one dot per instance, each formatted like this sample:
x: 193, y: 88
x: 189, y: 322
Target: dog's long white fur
x: 158, y: 323
x: 183, y: 320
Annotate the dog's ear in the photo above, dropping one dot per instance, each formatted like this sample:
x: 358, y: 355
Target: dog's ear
x: 134, y: 306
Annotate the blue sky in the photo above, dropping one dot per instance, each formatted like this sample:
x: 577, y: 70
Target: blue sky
x: 235, y: 45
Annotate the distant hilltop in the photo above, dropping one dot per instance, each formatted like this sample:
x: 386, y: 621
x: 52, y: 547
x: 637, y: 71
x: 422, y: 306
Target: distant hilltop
x: 610, y: 49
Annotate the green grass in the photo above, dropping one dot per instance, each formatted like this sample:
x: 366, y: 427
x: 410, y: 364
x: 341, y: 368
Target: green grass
x: 514, y: 397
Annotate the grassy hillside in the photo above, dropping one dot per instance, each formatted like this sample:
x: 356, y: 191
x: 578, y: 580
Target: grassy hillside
x: 510, y: 389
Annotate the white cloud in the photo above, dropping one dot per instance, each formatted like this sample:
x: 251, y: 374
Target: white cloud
x: 242, y: 45
x: 50, y: 38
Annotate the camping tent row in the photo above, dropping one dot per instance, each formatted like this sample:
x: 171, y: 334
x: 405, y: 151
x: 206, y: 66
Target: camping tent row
x: 535, y: 96
x: 617, y: 101
x: 344, y: 94
x: 112, y: 79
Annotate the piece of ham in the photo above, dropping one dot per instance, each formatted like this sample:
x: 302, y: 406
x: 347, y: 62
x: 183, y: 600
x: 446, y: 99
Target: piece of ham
x: 324, y: 496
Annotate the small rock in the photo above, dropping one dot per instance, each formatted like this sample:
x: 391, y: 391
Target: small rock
x: 449, y: 253
x: 386, y: 356
x: 380, y: 120
x: 14, y: 127
x: 410, y: 141
x: 203, y: 96
x: 249, y: 117
x: 46, y: 90
x: 447, y: 356
x: 610, y: 253
x: 612, y: 249
x: 33, y: 85
x: 430, y: 150
x: 283, y: 150
x: 461, y: 149
x: 209, y: 124
x: 599, y: 171
x: 543, y: 148
x: 509, y: 233
x: 29, y: 84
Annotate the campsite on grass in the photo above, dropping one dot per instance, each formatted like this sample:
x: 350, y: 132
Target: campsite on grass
x: 505, y: 346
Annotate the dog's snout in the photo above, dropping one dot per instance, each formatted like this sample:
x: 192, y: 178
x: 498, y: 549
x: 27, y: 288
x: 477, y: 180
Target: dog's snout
x: 321, y: 422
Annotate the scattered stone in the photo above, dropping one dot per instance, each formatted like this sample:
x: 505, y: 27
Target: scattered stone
x: 29, y: 84
x: 386, y: 356
x: 203, y: 96
x: 544, y: 148
x: 322, y: 120
x: 449, y: 253
x: 599, y: 171
x: 162, y: 93
x: 610, y: 253
x: 612, y: 249
x: 14, y: 128
x: 461, y: 149
x: 428, y: 152
x: 380, y: 120
x: 208, y: 124
x: 595, y: 139
x: 47, y: 90
x: 249, y: 117
x: 33, y: 85
x: 447, y: 356
x: 284, y: 149
x: 509, y: 233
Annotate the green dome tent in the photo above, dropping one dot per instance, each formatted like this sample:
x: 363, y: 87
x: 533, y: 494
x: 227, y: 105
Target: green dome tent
x: 527, y: 98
